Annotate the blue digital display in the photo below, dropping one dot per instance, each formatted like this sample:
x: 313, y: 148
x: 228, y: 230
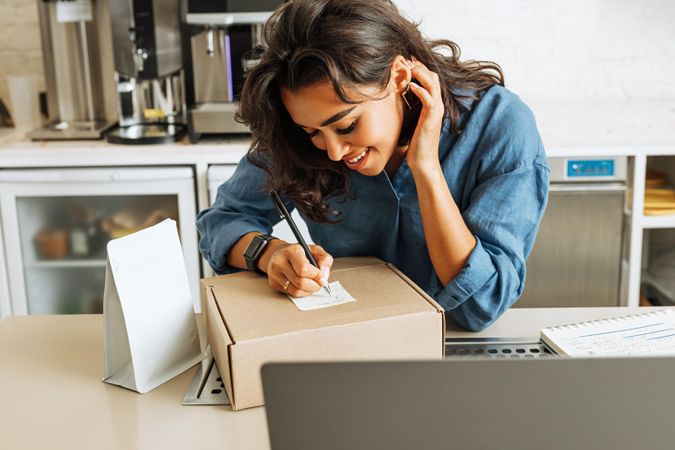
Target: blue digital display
x: 590, y: 168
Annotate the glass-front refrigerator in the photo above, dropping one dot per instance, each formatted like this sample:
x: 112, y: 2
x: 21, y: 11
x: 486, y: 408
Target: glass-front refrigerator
x: 56, y: 224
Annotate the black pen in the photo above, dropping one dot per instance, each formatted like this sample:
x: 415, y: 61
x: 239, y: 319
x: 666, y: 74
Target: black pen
x: 283, y: 212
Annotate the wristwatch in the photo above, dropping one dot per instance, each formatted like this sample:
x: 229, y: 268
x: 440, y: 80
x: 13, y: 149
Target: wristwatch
x: 255, y: 250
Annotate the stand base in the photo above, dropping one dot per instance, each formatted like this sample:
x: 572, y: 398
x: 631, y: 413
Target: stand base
x: 142, y: 134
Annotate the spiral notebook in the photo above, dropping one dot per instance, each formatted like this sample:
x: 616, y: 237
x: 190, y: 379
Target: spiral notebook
x: 648, y: 334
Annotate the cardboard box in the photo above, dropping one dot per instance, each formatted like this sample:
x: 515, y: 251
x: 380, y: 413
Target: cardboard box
x: 249, y: 324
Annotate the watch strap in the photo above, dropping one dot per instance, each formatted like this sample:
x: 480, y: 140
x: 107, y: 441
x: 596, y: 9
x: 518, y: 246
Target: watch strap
x: 255, y: 250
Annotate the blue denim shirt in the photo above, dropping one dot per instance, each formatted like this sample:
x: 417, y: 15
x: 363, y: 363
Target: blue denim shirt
x: 497, y: 173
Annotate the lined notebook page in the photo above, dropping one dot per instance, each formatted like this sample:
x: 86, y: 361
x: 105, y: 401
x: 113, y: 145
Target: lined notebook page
x: 651, y: 333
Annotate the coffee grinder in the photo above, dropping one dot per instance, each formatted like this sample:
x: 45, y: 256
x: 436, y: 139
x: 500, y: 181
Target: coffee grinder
x: 148, y: 71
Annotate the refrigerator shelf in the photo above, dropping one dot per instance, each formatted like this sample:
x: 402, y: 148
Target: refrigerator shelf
x: 66, y: 264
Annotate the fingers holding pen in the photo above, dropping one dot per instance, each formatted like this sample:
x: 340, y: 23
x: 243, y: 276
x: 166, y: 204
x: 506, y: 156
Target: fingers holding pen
x: 307, y: 276
x: 295, y: 285
x: 323, y: 259
x: 289, y: 271
x: 304, y: 269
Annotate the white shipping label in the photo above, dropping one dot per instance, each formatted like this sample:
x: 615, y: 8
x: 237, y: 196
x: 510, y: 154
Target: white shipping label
x: 73, y: 11
x: 321, y: 298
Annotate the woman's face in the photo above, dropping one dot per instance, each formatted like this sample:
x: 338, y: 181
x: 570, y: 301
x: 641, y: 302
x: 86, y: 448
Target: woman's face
x: 363, y: 136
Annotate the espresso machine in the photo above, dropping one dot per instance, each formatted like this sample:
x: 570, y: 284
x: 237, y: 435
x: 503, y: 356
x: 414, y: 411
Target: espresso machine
x: 78, y: 66
x: 220, y: 36
x: 148, y: 71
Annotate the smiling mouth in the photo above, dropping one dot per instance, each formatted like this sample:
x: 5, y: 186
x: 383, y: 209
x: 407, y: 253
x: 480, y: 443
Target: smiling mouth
x: 358, y: 157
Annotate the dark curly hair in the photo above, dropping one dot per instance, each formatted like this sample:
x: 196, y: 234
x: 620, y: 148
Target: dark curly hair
x: 351, y: 44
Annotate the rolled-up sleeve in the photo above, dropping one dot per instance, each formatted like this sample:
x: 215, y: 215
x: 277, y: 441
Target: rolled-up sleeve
x: 504, y: 216
x: 240, y: 207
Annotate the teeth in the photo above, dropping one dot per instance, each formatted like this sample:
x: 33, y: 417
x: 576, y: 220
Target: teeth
x: 355, y: 160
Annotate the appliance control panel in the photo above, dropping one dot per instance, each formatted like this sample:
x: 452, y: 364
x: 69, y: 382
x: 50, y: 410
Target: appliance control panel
x: 596, y: 168
x: 588, y: 169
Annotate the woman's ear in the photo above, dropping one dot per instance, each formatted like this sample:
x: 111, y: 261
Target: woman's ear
x: 401, y: 74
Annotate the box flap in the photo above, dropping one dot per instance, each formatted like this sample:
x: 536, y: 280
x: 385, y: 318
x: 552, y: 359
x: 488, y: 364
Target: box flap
x: 220, y: 341
x: 351, y: 262
x: 419, y: 290
x: 254, y: 310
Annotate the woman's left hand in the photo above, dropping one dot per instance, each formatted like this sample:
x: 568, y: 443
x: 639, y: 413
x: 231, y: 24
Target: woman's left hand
x: 422, y: 153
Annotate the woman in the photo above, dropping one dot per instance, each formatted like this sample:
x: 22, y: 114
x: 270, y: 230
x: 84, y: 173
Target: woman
x: 389, y: 146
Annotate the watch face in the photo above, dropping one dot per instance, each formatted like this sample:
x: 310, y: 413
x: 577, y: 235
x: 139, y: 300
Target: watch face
x: 253, y: 247
x: 254, y: 250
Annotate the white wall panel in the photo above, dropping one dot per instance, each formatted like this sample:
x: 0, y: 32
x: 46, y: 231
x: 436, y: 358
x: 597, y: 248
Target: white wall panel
x: 563, y: 48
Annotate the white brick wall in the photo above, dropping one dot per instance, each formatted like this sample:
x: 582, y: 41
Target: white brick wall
x: 563, y: 48
x: 547, y: 48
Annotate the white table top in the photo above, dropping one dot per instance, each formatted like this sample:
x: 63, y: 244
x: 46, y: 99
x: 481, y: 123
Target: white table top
x: 53, y: 397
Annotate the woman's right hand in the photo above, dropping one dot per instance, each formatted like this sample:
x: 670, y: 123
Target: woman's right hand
x: 290, y: 272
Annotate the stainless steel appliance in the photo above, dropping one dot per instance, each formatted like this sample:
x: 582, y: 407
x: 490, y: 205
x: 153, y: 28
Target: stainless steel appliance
x: 220, y: 34
x: 576, y: 260
x: 148, y: 71
x: 78, y: 65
